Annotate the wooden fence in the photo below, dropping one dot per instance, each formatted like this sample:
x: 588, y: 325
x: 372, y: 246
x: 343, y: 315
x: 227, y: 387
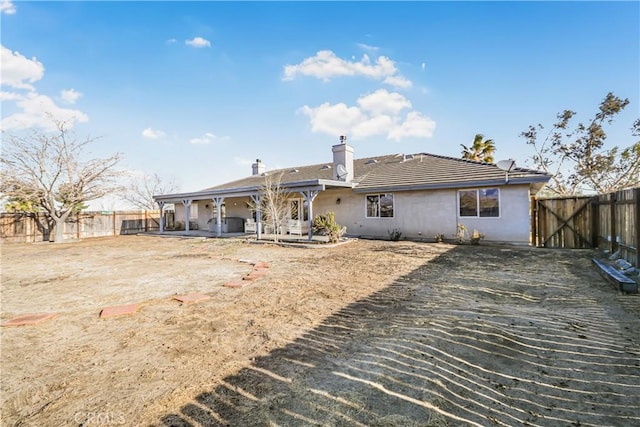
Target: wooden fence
x: 607, y: 221
x: 15, y: 227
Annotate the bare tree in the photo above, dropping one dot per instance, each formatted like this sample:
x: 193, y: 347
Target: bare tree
x: 48, y: 174
x: 141, y: 189
x: 576, y: 157
x: 274, y: 203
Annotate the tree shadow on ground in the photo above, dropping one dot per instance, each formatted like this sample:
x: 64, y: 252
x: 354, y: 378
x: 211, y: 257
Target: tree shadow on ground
x: 479, y: 336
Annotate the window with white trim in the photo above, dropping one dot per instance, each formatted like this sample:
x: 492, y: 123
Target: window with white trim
x: 193, y: 211
x: 379, y: 205
x: 480, y: 203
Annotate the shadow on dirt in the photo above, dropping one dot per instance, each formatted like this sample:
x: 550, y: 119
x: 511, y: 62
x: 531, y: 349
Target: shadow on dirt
x: 479, y: 336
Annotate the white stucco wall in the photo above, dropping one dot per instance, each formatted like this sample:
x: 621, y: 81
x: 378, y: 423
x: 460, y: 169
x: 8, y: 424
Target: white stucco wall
x: 203, y: 213
x: 234, y: 207
x: 514, y: 223
x: 417, y: 214
x: 423, y: 214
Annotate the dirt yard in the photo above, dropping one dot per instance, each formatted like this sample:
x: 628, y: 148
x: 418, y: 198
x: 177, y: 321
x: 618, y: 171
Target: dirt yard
x: 367, y: 333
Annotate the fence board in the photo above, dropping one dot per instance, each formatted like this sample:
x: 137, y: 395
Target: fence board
x: 607, y: 221
x: 16, y: 228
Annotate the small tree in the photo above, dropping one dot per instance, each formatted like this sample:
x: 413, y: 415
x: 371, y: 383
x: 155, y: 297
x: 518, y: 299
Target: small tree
x: 47, y: 174
x: 576, y: 158
x: 141, y: 189
x: 274, y: 203
x: 480, y: 150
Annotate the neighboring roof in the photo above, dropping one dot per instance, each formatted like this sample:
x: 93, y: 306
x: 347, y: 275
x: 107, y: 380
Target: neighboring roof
x: 395, y: 172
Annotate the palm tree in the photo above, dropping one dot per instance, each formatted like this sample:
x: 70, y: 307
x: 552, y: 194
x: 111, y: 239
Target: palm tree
x: 481, y: 150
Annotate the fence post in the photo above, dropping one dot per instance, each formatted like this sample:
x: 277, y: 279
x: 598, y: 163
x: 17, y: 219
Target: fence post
x: 595, y: 222
x: 146, y: 221
x: 614, y: 244
x: 114, y: 223
x: 78, y: 225
x: 534, y: 220
x: 636, y: 197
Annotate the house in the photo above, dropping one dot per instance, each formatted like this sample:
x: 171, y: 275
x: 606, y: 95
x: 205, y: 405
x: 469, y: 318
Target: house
x: 420, y: 195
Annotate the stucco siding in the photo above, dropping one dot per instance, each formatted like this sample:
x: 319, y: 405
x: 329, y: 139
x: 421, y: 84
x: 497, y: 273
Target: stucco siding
x: 417, y: 214
x: 514, y: 223
x: 203, y: 213
x: 423, y: 214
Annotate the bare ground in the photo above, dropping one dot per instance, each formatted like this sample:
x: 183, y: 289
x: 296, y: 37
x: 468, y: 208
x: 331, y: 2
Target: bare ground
x: 367, y: 333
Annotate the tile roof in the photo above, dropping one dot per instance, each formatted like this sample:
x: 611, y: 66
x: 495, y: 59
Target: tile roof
x: 402, y: 172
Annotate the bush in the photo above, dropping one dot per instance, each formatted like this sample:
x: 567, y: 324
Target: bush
x: 326, y: 224
x: 461, y: 234
x: 476, y: 237
x: 395, y: 234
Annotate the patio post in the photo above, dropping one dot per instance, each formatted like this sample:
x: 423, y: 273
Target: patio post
x: 218, y: 201
x: 187, y: 212
x: 309, y: 195
x: 161, y: 206
x: 256, y: 200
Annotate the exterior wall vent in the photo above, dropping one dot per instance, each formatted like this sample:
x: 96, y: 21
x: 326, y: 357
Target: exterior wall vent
x: 325, y: 167
x: 294, y: 170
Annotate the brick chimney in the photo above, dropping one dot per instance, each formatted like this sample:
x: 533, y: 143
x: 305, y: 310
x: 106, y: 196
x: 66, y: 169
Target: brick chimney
x: 258, y: 168
x: 342, y: 161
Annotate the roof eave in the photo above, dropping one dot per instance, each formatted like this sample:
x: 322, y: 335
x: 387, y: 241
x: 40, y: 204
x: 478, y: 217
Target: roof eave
x: 457, y: 184
x: 312, y: 184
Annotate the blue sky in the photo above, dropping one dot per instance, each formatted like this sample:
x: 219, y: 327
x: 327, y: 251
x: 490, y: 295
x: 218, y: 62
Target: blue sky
x: 196, y: 91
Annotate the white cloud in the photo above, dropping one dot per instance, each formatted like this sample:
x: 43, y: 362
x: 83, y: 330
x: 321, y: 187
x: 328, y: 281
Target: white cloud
x: 38, y: 111
x: 10, y: 96
x: 207, y: 138
x: 415, y: 125
x: 424, y: 65
x: 376, y: 125
x: 325, y: 65
x: 367, y: 47
x: 18, y: 71
x: 152, y: 134
x: 33, y: 109
x: 333, y: 119
x: 383, y: 102
x: 379, y: 113
x: 198, y: 42
x: 398, y: 81
x: 171, y: 41
x: 7, y: 7
x: 70, y: 96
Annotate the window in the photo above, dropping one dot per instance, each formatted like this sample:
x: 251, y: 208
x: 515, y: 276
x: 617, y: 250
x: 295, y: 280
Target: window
x: 295, y: 209
x: 380, y: 205
x: 193, y: 211
x: 483, y: 203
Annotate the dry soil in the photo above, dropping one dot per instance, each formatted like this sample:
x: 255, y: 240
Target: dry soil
x: 368, y: 333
